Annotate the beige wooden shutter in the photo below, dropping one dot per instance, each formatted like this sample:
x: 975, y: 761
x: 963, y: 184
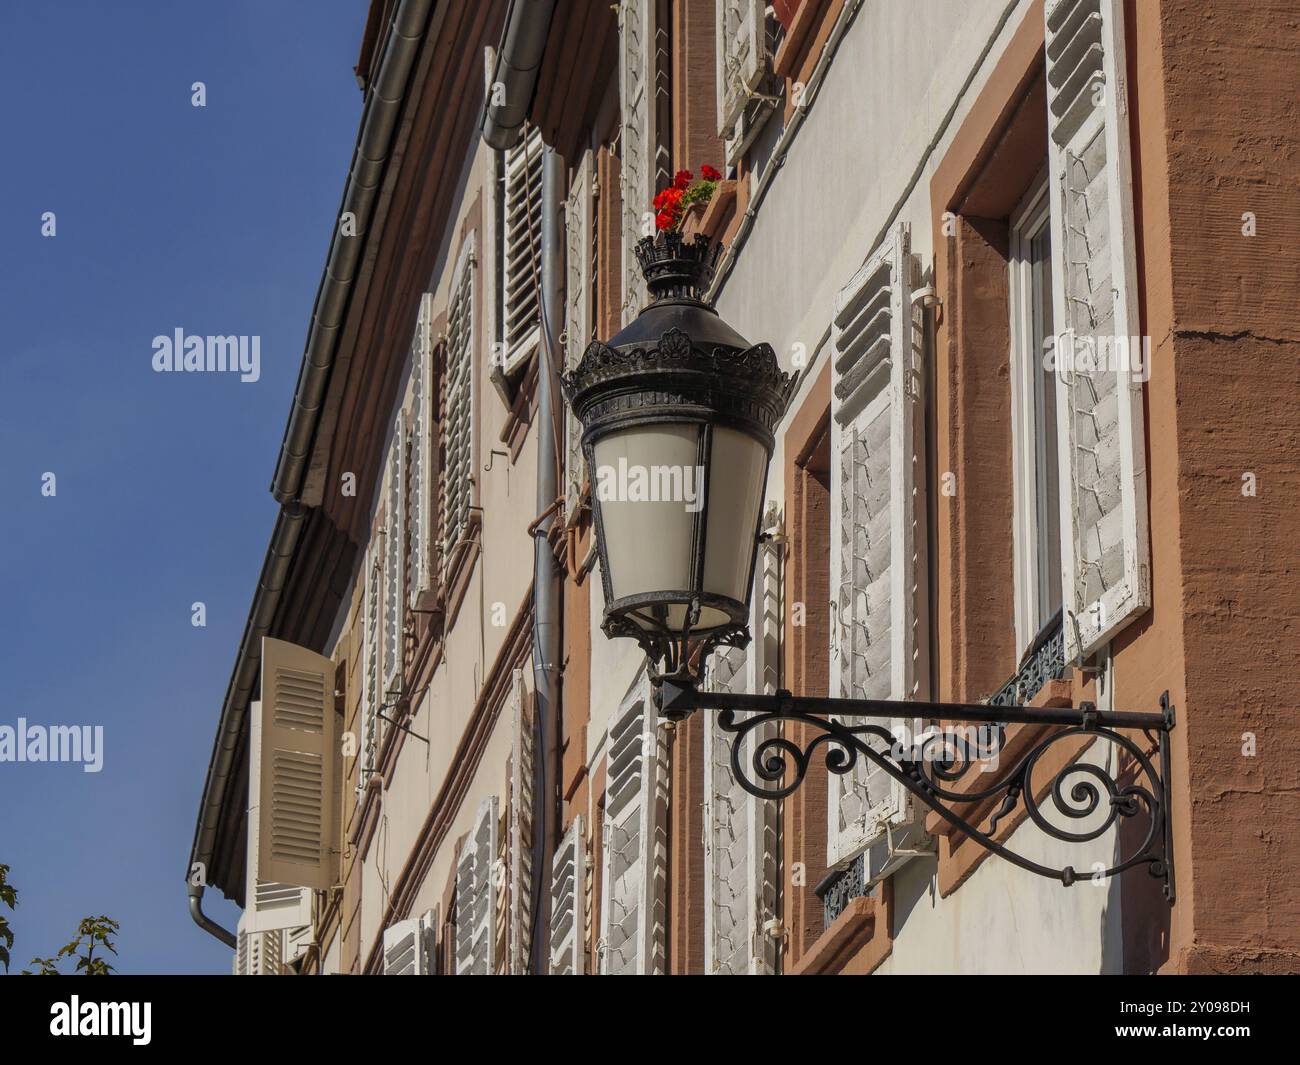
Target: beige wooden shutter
x: 568, y: 880
x: 578, y: 224
x: 297, y: 811
x: 395, y: 555
x: 521, y: 825
x: 458, y: 473
x: 269, y: 906
x: 420, y: 507
x: 521, y: 235
x: 638, y: 140
x: 476, y: 932
x: 1105, y: 553
x: 633, y: 896
x: 877, y: 528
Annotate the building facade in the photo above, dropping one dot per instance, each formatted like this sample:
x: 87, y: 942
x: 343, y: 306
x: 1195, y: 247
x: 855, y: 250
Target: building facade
x: 1038, y: 453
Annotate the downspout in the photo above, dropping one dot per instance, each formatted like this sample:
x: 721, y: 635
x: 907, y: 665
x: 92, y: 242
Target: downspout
x: 547, y: 579
x: 514, y: 78
x: 207, y: 923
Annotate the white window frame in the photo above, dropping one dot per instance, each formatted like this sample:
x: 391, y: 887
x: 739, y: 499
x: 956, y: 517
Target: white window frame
x: 1032, y: 450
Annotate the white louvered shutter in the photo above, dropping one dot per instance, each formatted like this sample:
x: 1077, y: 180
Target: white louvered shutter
x: 740, y: 834
x: 521, y: 825
x: 578, y: 224
x: 633, y: 895
x: 420, y: 505
x: 296, y: 943
x: 476, y: 932
x: 877, y: 527
x: 568, y: 922
x: 368, y: 743
x: 741, y: 58
x: 521, y: 234
x: 394, y: 559
x: 297, y: 808
x: 239, y: 963
x: 1105, y: 553
x: 267, y: 905
x: 458, y: 473
x: 406, y: 946
x: 638, y: 140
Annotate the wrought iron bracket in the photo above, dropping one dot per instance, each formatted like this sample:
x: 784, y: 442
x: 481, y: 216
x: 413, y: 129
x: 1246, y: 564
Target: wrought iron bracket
x: 1135, y: 796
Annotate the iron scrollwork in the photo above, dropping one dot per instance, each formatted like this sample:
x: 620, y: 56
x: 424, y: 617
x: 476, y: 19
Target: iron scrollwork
x: 1058, y: 800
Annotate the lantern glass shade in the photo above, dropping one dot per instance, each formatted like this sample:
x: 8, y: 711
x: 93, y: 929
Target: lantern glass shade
x: 678, y: 507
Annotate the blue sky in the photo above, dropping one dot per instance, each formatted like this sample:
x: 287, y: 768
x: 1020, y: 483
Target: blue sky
x: 215, y: 220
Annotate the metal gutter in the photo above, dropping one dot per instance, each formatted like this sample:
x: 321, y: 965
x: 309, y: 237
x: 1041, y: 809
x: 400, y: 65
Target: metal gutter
x: 369, y: 162
x: 514, y: 78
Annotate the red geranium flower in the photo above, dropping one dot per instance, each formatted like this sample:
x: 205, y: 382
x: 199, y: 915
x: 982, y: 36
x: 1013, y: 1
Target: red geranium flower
x: 709, y: 173
x: 682, y: 179
x: 664, y: 220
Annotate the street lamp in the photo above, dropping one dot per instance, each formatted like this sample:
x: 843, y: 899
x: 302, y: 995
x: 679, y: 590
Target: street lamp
x: 678, y: 413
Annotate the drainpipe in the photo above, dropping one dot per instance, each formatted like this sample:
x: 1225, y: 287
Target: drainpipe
x: 547, y: 587
x: 207, y: 923
x: 514, y: 78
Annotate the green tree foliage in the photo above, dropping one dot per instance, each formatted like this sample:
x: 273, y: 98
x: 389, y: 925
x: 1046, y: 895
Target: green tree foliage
x: 94, y: 933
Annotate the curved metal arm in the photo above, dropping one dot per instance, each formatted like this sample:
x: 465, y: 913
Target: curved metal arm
x: 931, y: 768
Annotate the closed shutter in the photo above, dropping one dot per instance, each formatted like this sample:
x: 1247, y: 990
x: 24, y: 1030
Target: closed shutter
x: 458, y: 471
x: 394, y: 557
x: 876, y: 527
x: 521, y: 236
x: 476, y: 932
x: 741, y: 58
x: 633, y: 894
x: 420, y: 505
x: 521, y: 825
x: 578, y: 224
x: 638, y: 142
x: 268, y: 905
x: 1105, y: 559
x: 740, y: 834
x: 368, y: 745
x: 407, y: 946
x: 297, y: 809
x: 568, y: 921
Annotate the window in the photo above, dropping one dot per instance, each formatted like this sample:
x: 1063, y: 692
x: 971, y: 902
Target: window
x: 1037, y: 499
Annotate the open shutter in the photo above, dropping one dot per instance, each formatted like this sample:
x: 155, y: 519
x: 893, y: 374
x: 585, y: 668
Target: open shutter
x: 568, y: 878
x: 876, y: 527
x: 521, y: 236
x: 458, y: 472
x: 297, y: 807
x: 1105, y: 554
x: 407, y: 946
x: 741, y: 58
x: 368, y: 744
x: 578, y: 224
x: 638, y: 143
x: 521, y: 826
x: 268, y: 905
x: 740, y: 834
x: 475, y: 902
x: 420, y: 505
x: 633, y: 895
x: 394, y: 557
